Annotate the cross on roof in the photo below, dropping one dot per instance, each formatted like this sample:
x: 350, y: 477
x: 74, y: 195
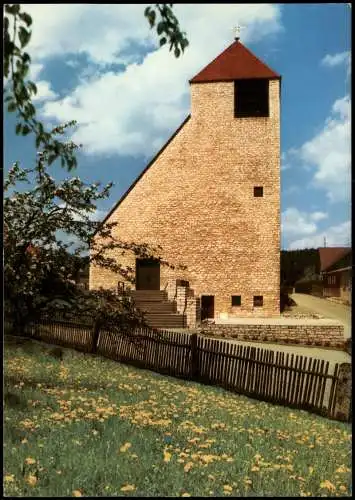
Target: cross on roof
x: 237, y: 29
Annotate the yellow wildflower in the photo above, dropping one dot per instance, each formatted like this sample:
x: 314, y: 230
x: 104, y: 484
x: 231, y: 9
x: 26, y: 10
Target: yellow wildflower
x: 188, y: 466
x: 342, y: 469
x: 328, y: 485
x: 226, y: 487
x: 9, y: 478
x: 167, y: 456
x: 30, y: 461
x: 125, y: 447
x: 31, y: 480
x: 128, y: 487
x: 77, y: 493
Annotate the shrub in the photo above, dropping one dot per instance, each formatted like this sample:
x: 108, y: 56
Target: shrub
x: 285, y: 301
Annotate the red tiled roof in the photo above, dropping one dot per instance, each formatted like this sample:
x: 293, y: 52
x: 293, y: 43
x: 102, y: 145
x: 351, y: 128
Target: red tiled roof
x: 236, y: 62
x: 329, y: 255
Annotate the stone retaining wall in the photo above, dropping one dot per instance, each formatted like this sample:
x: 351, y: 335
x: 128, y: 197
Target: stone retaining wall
x: 323, y: 335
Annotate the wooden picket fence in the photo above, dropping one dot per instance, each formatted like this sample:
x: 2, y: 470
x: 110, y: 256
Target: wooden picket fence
x: 286, y: 379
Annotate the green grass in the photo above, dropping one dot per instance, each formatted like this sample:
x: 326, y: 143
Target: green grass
x: 87, y: 425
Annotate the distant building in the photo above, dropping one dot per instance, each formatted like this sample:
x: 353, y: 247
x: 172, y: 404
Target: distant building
x: 336, y: 272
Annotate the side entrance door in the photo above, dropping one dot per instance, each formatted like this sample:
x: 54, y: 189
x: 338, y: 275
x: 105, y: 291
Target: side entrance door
x: 147, y: 274
x: 207, y: 306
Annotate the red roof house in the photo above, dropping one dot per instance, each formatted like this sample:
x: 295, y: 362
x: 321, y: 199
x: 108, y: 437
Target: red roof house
x: 329, y: 255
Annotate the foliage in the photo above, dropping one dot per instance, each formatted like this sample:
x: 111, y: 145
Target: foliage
x: 101, y: 308
x: 167, y: 26
x: 38, y: 269
x: 18, y: 91
x: 298, y: 264
x: 97, y: 427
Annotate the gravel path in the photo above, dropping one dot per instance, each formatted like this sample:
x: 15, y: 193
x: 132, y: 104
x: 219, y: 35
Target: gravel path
x: 325, y: 308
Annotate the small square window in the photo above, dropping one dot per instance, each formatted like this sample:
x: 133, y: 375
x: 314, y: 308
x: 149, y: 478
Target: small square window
x: 258, y: 191
x: 236, y: 300
x: 258, y: 301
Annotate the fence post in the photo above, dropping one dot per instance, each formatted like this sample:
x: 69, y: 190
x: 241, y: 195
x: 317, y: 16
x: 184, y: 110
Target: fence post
x: 342, y: 407
x: 95, y: 336
x: 194, y: 356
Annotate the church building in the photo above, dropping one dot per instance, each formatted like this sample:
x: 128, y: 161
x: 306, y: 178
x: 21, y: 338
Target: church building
x: 210, y: 198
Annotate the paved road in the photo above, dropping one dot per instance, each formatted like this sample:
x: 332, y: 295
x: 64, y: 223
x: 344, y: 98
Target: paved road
x: 325, y: 308
x: 331, y: 355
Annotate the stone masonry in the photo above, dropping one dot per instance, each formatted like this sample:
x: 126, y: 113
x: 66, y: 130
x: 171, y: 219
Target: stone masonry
x: 313, y: 333
x: 197, y: 202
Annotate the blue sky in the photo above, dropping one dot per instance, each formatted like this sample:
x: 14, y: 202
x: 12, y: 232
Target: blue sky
x: 101, y: 65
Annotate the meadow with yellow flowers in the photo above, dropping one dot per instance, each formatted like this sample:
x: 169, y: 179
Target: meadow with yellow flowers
x: 82, y: 425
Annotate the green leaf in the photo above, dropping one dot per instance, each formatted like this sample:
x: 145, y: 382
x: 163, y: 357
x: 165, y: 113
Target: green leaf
x: 32, y: 87
x: 26, y: 18
x: 146, y: 11
x: 18, y: 128
x: 12, y: 9
x: 30, y: 110
x: 184, y: 43
x: 177, y: 52
x: 26, y: 58
x: 151, y: 18
x: 26, y: 130
x: 51, y: 159
x: 161, y: 27
x: 24, y: 36
x: 162, y: 41
x: 11, y: 107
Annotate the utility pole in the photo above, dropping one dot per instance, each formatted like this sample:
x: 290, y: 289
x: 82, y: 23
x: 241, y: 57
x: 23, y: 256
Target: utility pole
x: 325, y: 242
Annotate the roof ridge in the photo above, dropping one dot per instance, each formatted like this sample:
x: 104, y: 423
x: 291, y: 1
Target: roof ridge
x: 155, y: 157
x: 213, y: 60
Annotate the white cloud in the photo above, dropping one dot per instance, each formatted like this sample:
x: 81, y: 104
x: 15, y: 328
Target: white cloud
x: 297, y: 223
x: 35, y: 70
x: 335, y: 60
x: 327, y: 154
x: 134, y: 111
x: 44, y: 92
x: 317, y: 216
x: 339, y: 235
x: 100, y: 31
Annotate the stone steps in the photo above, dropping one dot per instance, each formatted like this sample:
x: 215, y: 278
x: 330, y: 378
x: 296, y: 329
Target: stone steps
x: 149, y: 295
x: 156, y: 307
x: 168, y: 320
x: 159, y: 311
